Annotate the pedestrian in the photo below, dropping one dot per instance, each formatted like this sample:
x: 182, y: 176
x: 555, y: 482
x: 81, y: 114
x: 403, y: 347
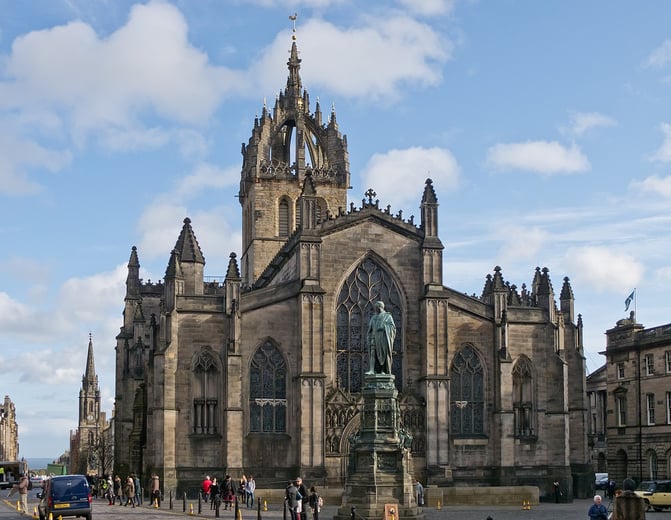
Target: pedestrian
x: 228, y: 492
x: 242, y: 489
x: 628, y: 505
x: 419, y: 493
x: 110, y: 490
x: 129, y: 491
x: 302, y: 508
x: 249, y: 490
x: 557, y: 491
x: 155, y: 490
x: 315, y: 502
x: 138, y: 491
x: 24, y: 483
x: 292, y: 499
x: 215, y: 494
x: 597, y: 511
x: 117, y: 489
x: 205, y: 486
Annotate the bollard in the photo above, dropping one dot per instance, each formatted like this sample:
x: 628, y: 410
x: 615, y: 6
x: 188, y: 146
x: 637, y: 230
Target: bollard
x: 35, y: 513
x: 190, y: 509
x: 392, y: 514
x: 265, y: 505
x: 156, y: 503
x: 200, y: 507
x: 438, y: 505
x: 170, y: 498
x: 51, y: 516
x: 238, y: 513
x: 217, y: 503
x: 258, y: 510
x: 184, y: 503
x: 352, y: 513
x: 18, y: 505
x: 284, y: 513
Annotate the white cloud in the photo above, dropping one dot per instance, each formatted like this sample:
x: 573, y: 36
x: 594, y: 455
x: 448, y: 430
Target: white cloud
x: 429, y: 7
x: 19, y: 157
x: 581, y: 122
x: 663, y: 153
x: 204, y: 177
x: 660, y: 57
x: 146, y: 66
x: 657, y: 185
x: 546, y: 158
x: 534, y: 238
x: 396, y: 176
x: 598, y: 266
x: 382, y: 55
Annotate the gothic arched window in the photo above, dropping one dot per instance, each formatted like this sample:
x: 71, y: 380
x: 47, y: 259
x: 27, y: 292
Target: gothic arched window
x: 204, y: 387
x: 523, y: 400
x: 467, y: 393
x: 368, y: 283
x: 268, y: 390
x: 283, y: 217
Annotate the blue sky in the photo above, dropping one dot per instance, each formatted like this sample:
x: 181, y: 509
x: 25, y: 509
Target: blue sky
x: 545, y: 126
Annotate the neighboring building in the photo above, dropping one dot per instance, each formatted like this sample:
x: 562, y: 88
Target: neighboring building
x: 9, y: 431
x: 639, y: 400
x: 596, y: 433
x: 261, y: 372
x: 87, y: 442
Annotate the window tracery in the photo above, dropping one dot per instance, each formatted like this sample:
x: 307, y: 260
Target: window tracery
x: 268, y: 390
x: 467, y: 394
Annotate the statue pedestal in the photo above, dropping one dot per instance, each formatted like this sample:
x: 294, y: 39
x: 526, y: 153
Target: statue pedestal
x: 380, y: 465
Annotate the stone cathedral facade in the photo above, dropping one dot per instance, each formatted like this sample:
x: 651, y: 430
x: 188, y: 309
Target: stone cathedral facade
x: 261, y: 372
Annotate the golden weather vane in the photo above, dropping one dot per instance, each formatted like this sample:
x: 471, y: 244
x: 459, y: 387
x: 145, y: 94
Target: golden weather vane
x: 293, y: 19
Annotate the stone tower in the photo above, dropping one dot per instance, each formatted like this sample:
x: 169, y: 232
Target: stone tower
x: 285, y: 147
x: 89, y: 426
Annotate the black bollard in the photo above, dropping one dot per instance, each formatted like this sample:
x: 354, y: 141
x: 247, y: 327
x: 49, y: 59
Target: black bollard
x: 352, y: 513
x: 200, y: 505
x: 236, y: 507
x: 184, y: 503
x: 217, y: 503
x: 284, y: 514
x: 170, y: 499
x: 258, y: 510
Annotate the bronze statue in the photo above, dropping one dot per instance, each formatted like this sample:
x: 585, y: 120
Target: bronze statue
x: 381, y: 334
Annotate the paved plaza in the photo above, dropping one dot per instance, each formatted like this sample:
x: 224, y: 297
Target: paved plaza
x: 576, y: 510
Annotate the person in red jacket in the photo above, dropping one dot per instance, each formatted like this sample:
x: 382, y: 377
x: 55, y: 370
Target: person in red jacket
x: 205, y: 488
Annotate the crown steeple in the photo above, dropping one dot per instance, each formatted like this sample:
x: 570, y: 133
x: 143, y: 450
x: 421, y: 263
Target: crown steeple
x: 288, y: 145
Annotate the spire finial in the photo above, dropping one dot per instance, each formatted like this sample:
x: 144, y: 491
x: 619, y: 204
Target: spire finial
x: 293, y: 32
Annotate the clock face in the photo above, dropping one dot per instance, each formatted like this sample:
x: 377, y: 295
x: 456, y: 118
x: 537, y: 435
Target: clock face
x: 90, y: 417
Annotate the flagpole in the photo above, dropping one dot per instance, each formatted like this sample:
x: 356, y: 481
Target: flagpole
x: 635, y: 310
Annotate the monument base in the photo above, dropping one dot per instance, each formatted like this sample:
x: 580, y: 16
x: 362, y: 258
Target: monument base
x: 379, y: 482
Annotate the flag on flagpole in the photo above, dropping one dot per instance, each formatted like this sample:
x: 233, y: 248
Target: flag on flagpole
x: 629, y: 299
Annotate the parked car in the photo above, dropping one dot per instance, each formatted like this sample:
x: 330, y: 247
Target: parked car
x: 65, y: 495
x: 655, y: 493
x: 601, y: 480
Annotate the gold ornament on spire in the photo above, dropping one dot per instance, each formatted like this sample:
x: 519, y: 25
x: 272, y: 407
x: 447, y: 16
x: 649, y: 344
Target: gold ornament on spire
x: 293, y: 19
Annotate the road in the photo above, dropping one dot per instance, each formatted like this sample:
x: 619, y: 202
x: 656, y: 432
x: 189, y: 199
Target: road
x: 575, y: 510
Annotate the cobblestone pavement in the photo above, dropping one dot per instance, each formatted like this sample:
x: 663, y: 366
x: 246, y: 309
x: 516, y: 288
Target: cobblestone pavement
x: 545, y: 511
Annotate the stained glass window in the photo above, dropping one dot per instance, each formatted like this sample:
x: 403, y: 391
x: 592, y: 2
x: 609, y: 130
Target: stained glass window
x: 268, y: 390
x: 367, y: 284
x: 206, y: 374
x: 467, y: 393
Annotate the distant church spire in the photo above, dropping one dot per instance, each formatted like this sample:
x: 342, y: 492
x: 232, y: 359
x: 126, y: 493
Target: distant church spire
x: 90, y: 379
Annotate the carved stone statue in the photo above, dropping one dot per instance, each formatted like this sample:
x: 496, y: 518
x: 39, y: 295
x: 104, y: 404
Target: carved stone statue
x: 381, y: 335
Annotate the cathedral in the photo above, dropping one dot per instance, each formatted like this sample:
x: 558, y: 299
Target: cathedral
x: 261, y: 372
